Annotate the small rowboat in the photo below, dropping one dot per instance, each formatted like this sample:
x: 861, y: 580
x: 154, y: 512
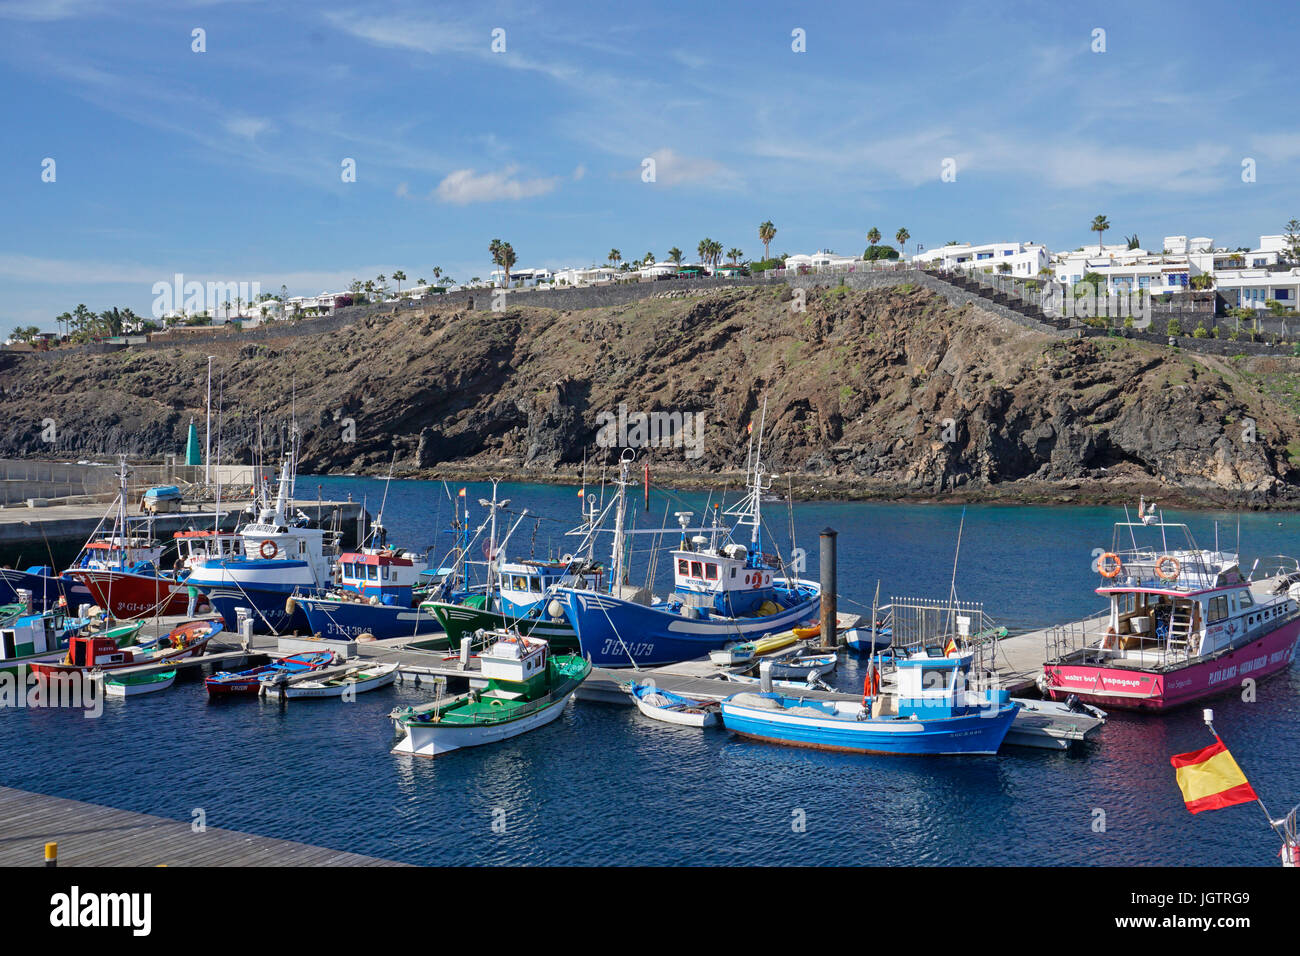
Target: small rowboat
x: 804, y: 667
x: 249, y: 682
x: 860, y: 639
x: 659, y: 704
x: 133, y: 685
x: 356, y: 680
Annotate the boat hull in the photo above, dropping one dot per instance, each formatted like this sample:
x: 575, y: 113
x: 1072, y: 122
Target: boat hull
x: 976, y: 733
x: 701, y: 718
x: 345, y: 620
x: 267, y: 604
x: 44, y: 669
x: 115, y: 688
x: 618, y: 633
x: 129, y: 596
x: 1126, y: 688
x: 460, y: 621
x: 305, y: 690
x: 431, y: 740
x: 46, y: 589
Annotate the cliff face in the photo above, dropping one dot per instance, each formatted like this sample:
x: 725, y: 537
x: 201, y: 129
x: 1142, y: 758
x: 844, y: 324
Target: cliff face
x: 867, y: 393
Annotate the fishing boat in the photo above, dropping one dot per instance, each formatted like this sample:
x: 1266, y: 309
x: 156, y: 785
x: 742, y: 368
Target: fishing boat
x: 725, y: 592
x: 134, y: 685
x: 868, y: 639
x: 520, y: 595
x: 804, y: 667
x: 525, y: 688
x: 281, y: 555
x: 933, y: 711
x: 659, y: 704
x: 1182, y: 624
x: 46, y: 587
x: 85, y: 654
x: 355, y: 680
x: 249, y: 682
x: 375, y: 596
x: 42, y: 636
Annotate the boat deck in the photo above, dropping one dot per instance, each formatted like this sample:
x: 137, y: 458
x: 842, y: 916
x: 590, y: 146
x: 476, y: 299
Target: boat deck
x: 92, y: 835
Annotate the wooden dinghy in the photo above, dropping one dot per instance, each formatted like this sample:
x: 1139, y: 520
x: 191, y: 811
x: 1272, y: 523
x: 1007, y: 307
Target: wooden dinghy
x: 352, y: 680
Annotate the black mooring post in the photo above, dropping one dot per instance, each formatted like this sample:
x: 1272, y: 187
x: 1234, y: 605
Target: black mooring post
x: 830, y: 632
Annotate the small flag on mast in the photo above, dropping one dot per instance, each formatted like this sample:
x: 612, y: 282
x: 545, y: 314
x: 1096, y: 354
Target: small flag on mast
x: 581, y: 492
x: 461, y: 493
x: 749, y: 429
x: 950, y: 648
x: 1210, y: 779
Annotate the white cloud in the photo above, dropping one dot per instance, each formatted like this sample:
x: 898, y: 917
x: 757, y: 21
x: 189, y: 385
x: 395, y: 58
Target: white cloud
x: 674, y: 169
x: 579, y: 172
x: 467, y: 186
x: 247, y: 127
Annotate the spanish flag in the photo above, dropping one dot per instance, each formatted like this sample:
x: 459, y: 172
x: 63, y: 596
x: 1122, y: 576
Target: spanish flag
x: 950, y: 648
x: 461, y: 493
x: 581, y: 492
x: 1210, y: 779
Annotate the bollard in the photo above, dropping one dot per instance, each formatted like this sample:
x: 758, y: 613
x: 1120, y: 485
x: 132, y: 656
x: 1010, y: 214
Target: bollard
x: 464, y: 652
x: 830, y: 634
x: 51, y: 854
x: 765, y: 677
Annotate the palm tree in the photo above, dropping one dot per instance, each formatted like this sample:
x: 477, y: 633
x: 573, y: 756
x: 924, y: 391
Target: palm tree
x: 902, y: 236
x: 398, y: 276
x: 675, y: 256
x: 733, y: 254
x: 766, y: 233
x: 1099, y: 225
x: 64, y: 321
x: 873, y: 236
x: 614, y: 257
x: 503, y: 254
x: 648, y: 259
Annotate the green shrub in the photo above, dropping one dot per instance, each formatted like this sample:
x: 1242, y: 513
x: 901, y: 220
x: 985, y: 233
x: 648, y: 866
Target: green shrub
x: 1200, y: 332
x: 1174, y: 327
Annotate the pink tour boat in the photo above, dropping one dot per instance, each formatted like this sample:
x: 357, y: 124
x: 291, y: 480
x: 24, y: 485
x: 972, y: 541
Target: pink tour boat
x: 1183, y: 623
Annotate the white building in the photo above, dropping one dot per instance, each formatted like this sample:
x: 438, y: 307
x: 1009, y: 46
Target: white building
x: 596, y: 275
x: 1022, y: 259
x: 821, y: 259
x: 522, y: 278
x: 1253, y: 288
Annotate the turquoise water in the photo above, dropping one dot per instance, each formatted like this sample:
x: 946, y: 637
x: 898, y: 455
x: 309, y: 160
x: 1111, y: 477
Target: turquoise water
x: 604, y: 785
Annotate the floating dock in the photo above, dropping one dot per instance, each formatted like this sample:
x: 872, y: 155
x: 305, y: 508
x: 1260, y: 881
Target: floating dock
x: 88, y: 834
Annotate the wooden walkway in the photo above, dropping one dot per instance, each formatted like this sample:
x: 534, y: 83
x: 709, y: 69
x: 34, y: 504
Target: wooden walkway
x: 92, y: 835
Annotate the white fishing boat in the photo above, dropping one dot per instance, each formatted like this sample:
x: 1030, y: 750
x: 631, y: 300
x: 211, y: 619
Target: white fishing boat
x: 659, y: 704
x: 354, y: 680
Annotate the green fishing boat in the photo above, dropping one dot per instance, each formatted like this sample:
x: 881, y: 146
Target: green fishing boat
x: 460, y: 620
x: 526, y: 688
x: 10, y: 613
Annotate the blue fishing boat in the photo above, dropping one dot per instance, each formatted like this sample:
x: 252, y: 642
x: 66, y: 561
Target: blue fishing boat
x: 249, y: 682
x: 46, y: 587
x: 933, y: 711
x: 376, y: 595
x: 281, y: 555
x: 868, y: 639
x: 724, y: 591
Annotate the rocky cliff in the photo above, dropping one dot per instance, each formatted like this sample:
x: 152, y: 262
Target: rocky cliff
x: 890, y: 392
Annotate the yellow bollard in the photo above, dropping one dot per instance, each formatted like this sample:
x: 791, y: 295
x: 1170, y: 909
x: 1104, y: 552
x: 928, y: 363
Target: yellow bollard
x: 51, y: 854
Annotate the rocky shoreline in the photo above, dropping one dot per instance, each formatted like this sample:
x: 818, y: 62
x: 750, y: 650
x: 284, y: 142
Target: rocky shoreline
x: 884, y: 394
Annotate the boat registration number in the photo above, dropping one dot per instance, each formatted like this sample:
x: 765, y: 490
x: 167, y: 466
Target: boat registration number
x: 615, y: 647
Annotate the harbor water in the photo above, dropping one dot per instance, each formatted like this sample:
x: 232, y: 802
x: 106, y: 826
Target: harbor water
x: 603, y: 785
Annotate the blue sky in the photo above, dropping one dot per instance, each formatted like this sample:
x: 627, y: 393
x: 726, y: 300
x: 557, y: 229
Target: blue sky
x: 225, y: 165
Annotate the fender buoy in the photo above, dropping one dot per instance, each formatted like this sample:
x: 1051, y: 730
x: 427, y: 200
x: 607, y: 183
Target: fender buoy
x: 269, y: 549
x: 1107, y: 570
x: 290, y: 606
x: 870, y: 685
x: 1164, y: 571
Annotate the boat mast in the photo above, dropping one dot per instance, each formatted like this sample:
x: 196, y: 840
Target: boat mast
x: 620, y: 509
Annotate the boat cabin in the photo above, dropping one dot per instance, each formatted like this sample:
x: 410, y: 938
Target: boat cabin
x: 97, y: 652
x: 30, y: 635
x: 514, y: 659
x: 731, y: 579
x: 931, y: 684
x: 116, y: 552
x: 389, y: 576
x: 525, y: 583
x: 195, y: 547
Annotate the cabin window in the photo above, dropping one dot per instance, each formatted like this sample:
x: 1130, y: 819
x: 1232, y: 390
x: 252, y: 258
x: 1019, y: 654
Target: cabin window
x: 1218, y: 609
x: 372, y: 572
x: 683, y: 567
x: 711, y: 572
x: 696, y: 570
x: 536, y: 583
x: 1244, y: 599
x: 733, y: 574
x: 937, y: 678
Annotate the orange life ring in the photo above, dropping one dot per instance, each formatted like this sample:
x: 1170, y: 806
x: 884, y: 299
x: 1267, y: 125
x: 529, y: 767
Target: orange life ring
x: 274, y: 549
x: 1112, y: 572
x: 871, y: 684
x: 1165, y: 561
